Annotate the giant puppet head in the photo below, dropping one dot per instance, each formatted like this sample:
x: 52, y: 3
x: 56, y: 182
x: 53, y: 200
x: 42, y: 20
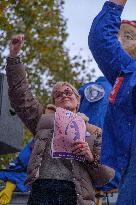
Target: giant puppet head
x: 127, y: 36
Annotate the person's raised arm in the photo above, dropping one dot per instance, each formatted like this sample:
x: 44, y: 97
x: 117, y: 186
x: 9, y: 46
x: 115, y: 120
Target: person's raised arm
x: 103, y: 40
x: 26, y: 106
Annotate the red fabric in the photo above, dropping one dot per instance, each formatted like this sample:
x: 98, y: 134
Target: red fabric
x: 115, y: 89
x: 129, y: 22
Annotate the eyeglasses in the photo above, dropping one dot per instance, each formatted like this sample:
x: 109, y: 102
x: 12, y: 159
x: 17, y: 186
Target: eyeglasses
x: 60, y: 94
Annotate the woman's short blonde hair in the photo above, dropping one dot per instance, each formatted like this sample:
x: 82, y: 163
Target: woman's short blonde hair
x: 60, y: 84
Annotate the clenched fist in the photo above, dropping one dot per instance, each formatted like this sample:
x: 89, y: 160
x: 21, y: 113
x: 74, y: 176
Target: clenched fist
x: 16, y: 44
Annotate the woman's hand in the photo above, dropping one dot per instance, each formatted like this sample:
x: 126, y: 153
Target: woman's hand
x: 15, y: 45
x: 82, y: 148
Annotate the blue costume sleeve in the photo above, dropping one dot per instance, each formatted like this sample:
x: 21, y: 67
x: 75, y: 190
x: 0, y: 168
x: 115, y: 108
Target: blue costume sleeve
x: 24, y: 155
x: 20, y: 163
x: 103, y: 42
x: 17, y: 178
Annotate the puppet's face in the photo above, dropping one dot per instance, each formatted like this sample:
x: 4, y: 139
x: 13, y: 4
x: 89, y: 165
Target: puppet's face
x: 127, y: 37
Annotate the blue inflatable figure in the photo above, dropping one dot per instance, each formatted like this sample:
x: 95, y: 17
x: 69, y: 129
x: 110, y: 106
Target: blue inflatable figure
x: 94, y: 101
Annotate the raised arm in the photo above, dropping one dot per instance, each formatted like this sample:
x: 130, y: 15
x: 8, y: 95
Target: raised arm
x: 26, y: 106
x: 103, y: 41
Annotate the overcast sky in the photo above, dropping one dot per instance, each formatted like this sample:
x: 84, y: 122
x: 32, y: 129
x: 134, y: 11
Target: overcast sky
x: 80, y: 14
